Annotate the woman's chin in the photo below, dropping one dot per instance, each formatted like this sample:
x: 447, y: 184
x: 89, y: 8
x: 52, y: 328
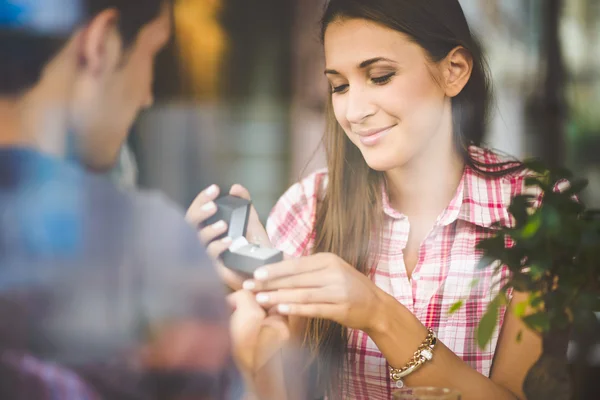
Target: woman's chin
x: 383, y: 164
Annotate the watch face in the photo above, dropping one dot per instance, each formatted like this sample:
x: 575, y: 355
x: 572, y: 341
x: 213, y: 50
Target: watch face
x: 47, y: 17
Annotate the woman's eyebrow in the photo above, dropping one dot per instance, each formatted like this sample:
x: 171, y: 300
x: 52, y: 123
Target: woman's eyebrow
x: 363, y: 64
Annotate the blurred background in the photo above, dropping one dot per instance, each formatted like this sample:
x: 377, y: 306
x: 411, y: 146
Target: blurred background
x: 240, y: 93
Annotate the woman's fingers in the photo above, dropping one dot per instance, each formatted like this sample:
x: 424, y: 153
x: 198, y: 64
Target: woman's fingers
x: 217, y: 247
x: 292, y: 267
x: 208, y: 194
x: 240, y: 191
x: 232, y: 280
x: 323, y: 311
x: 245, y: 302
x: 203, y: 206
x: 211, y: 232
x: 312, y: 279
x: 298, y: 296
x: 195, y: 216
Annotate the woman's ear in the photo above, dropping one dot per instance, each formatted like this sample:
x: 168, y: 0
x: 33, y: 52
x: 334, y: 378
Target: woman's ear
x: 458, y: 66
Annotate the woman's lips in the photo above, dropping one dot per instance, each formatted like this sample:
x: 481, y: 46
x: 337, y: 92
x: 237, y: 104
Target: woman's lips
x: 373, y: 136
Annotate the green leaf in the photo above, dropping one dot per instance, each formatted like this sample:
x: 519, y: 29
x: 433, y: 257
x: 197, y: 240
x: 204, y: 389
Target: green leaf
x: 535, y: 165
x: 519, y: 206
x: 522, y: 282
x: 537, y: 270
x: 455, y: 307
x: 551, y: 219
x: 485, y: 262
x: 535, y: 300
x: 487, y: 325
x: 492, y: 246
x: 588, y: 301
x: 576, y: 186
x: 569, y: 206
x: 563, y: 173
x: 539, y: 321
x: 534, y: 181
x: 502, y: 299
x: 474, y: 283
x: 520, y: 308
x: 532, y: 226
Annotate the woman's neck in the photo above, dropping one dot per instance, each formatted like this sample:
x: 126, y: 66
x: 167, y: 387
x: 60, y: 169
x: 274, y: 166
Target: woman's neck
x: 425, y: 186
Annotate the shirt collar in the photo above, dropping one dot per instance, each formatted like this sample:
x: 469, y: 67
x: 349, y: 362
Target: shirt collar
x: 480, y: 200
x: 484, y: 200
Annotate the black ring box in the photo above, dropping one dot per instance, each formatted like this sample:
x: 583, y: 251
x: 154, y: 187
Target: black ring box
x: 242, y: 257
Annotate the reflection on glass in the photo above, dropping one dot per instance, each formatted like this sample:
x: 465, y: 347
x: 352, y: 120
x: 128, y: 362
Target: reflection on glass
x: 426, y: 393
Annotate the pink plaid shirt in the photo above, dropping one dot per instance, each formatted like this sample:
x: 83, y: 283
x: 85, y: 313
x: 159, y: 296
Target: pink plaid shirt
x: 444, y: 274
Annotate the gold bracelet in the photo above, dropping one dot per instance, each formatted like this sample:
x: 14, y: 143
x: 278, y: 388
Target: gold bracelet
x: 423, y: 354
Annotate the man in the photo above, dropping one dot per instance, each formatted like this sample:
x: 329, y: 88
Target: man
x: 108, y: 294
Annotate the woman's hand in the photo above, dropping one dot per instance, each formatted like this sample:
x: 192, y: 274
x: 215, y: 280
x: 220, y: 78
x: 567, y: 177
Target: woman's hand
x: 202, y: 208
x: 319, y: 286
x: 256, y: 335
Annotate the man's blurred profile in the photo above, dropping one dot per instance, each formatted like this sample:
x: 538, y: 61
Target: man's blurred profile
x: 95, y: 281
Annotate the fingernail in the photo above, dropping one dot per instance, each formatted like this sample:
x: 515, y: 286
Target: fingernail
x: 209, y: 206
x: 283, y: 308
x: 219, y: 225
x: 211, y: 190
x: 261, y: 274
x: 227, y: 240
x: 262, y: 298
x: 248, y: 285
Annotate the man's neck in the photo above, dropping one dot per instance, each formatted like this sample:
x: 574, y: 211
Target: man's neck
x: 38, y: 118
x: 10, y: 124
x: 33, y: 121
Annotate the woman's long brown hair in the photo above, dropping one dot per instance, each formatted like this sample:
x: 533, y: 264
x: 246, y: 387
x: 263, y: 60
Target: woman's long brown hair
x: 349, y: 219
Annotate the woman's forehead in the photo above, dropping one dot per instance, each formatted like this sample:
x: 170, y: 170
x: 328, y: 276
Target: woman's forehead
x: 348, y: 43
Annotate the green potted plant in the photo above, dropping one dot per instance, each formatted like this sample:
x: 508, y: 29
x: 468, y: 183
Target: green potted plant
x: 553, y: 252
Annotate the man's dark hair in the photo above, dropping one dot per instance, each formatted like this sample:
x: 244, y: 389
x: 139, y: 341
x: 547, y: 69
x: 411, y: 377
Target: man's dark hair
x: 24, y: 53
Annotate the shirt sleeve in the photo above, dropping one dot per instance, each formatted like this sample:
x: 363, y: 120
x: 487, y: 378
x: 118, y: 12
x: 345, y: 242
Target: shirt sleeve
x: 178, y: 276
x: 291, y: 223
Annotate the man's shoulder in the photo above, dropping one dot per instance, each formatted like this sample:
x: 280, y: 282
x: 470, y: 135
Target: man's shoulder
x: 49, y: 207
x: 159, y: 220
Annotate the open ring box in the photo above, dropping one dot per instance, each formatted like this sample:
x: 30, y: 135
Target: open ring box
x: 242, y: 256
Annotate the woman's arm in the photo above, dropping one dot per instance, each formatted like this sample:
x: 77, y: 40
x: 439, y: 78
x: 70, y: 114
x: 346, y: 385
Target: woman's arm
x: 398, y: 333
x: 325, y: 286
x: 514, y: 359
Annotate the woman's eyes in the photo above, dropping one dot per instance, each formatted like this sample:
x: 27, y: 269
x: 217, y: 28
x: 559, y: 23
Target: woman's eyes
x: 378, y: 80
x: 382, y: 80
x: 339, y: 89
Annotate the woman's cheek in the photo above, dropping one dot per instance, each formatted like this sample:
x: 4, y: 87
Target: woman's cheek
x: 339, y: 110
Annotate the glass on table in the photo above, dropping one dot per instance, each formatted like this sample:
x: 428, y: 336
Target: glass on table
x: 426, y: 393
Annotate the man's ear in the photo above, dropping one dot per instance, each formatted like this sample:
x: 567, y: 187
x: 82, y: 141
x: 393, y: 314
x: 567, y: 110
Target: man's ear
x: 458, y: 66
x: 101, y: 47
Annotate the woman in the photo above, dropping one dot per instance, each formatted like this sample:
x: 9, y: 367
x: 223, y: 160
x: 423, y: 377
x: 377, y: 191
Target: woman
x: 382, y: 243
